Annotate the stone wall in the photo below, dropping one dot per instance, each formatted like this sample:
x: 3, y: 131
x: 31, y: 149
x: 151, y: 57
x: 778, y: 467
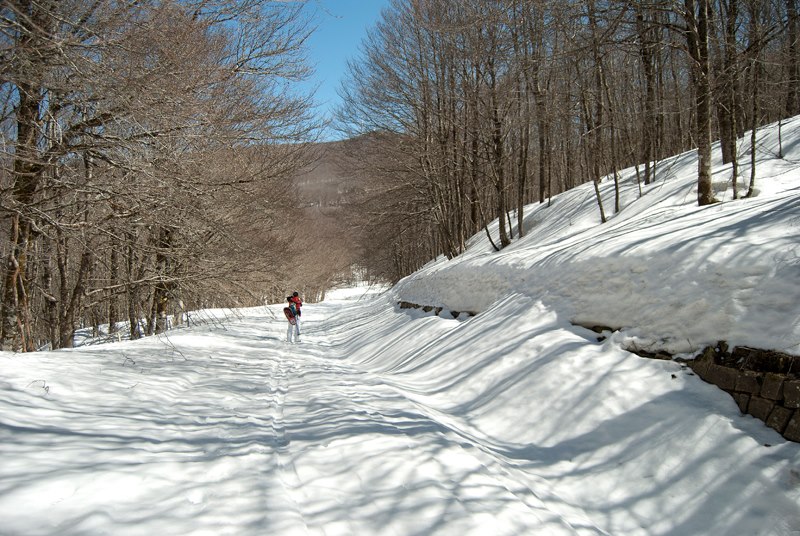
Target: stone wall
x: 763, y: 383
x: 437, y: 310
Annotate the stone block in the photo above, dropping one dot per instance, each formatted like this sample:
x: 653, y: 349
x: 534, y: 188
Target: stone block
x: 742, y: 400
x: 748, y: 382
x: 792, y: 432
x: 709, y: 354
x: 765, y: 360
x: 722, y: 377
x: 791, y: 394
x: 760, y: 408
x: 772, y: 388
x: 779, y: 418
x: 700, y: 367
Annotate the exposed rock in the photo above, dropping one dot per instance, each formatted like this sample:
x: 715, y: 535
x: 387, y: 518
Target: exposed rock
x: 742, y: 400
x: 723, y: 377
x: 779, y: 418
x: 437, y: 310
x: 748, y: 382
x: 765, y: 360
x: 791, y: 394
x: 792, y: 432
x: 760, y: 408
x: 772, y: 387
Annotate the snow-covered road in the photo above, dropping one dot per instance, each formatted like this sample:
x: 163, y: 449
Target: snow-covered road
x: 380, y: 422
x: 229, y: 430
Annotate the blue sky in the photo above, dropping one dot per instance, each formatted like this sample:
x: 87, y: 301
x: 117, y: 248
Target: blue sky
x: 341, y: 25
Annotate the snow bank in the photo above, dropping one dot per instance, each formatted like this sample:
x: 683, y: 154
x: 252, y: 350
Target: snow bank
x: 675, y: 276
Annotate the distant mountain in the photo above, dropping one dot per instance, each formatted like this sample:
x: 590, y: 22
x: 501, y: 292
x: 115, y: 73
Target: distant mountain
x: 326, y: 183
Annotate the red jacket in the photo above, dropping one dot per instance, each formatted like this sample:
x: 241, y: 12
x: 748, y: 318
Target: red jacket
x: 297, y: 303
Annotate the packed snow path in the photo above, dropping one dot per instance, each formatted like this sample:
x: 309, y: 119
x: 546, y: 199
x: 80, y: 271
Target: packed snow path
x: 224, y: 428
x: 230, y: 430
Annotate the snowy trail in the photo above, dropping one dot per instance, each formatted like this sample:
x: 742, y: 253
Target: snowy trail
x: 461, y: 440
x: 232, y: 431
x: 399, y: 470
x: 635, y: 446
x: 378, y: 423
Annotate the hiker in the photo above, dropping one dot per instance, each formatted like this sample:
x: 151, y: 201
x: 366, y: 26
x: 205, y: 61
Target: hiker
x: 297, y: 304
x: 292, y: 316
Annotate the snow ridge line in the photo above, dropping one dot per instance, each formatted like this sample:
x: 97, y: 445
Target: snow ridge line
x: 500, y: 467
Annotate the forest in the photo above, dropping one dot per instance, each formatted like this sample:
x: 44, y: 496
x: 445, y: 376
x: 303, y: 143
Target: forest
x: 147, y: 150
x: 150, y: 148
x: 471, y: 110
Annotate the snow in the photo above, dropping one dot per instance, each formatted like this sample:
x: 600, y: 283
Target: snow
x: 399, y: 422
x: 678, y: 276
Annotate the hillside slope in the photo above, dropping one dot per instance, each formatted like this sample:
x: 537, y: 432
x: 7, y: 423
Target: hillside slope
x: 674, y: 275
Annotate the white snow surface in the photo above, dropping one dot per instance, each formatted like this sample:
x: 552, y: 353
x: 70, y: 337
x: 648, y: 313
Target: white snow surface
x: 399, y: 422
x: 673, y: 274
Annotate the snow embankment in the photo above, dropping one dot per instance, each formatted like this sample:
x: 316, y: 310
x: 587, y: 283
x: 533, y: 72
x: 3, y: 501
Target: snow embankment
x: 672, y: 275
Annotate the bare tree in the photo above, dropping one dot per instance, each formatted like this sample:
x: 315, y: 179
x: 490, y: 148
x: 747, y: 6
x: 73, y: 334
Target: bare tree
x: 476, y: 100
x: 696, y: 15
x: 113, y: 113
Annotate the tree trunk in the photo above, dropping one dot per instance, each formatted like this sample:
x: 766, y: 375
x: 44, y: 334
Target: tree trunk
x: 72, y: 306
x: 751, y: 190
x: 162, y: 292
x: 596, y: 118
x: 113, y: 302
x: 697, y: 15
x: 132, y: 288
x: 792, y: 93
x: 498, y: 154
x: 649, y: 133
x: 727, y: 84
x: 14, y: 330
